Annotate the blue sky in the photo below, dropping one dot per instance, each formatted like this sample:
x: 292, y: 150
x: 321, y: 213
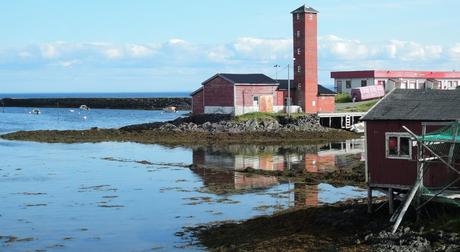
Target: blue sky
x: 173, y: 45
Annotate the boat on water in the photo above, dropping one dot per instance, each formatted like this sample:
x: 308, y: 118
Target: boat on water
x: 35, y: 111
x: 84, y: 107
x: 170, y: 109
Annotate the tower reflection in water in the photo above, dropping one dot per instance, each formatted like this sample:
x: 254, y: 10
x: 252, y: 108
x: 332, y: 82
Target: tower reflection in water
x: 220, y: 166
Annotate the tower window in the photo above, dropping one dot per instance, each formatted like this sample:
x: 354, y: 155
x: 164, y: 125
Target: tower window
x: 299, y: 86
x: 298, y: 51
x: 298, y: 16
x: 299, y: 69
x: 298, y: 34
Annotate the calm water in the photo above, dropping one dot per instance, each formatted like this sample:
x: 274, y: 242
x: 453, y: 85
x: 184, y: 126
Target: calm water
x: 96, y: 95
x: 14, y: 119
x: 135, y: 197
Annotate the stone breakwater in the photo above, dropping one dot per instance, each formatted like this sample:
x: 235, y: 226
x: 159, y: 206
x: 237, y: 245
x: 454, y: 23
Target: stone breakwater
x: 223, y: 124
x: 105, y: 103
x: 202, y: 129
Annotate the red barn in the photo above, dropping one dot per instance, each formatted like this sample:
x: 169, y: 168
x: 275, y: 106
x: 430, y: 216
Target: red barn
x: 391, y: 162
x: 243, y: 93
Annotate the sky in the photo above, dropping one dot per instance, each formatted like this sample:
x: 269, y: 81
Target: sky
x: 173, y: 45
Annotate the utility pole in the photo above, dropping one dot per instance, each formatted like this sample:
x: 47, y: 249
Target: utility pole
x: 276, y: 71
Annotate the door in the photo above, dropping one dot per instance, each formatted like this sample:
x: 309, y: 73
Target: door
x: 266, y: 103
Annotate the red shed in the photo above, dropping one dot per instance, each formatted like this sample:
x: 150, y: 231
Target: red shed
x: 391, y: 162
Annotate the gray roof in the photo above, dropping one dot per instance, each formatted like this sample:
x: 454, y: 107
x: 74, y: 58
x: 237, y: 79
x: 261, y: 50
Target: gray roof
x: 245, y: 78
x: 303, y: 9
x: 321, y: 89
x: 417, y: 105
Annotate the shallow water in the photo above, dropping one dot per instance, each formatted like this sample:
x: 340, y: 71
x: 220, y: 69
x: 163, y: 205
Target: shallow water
x: 135, y: 197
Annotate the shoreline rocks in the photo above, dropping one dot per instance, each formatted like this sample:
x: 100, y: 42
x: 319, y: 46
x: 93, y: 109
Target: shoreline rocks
x: 225, y: 124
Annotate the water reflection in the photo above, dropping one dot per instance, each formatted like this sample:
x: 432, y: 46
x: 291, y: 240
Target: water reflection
x: 220, y: 167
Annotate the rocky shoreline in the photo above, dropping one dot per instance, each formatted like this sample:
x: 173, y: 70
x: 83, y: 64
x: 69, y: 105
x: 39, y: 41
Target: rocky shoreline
x: 344, y: 226
x: 104, y: 103
x: 203, y: 129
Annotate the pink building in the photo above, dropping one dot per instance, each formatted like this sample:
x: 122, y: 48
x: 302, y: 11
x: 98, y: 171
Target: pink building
x: 345, y: 81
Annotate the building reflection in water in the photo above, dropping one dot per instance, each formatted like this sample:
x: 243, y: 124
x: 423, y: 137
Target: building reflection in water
x: 218, y: 166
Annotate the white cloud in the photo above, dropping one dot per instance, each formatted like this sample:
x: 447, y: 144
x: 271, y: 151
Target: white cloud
x: 113, y: 53
x: 139, y: 51
x: 49, y: 51
x: 455, y: 51
x: 263, y: 49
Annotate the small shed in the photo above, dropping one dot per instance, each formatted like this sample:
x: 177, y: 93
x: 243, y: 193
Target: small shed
x: 390, y: 151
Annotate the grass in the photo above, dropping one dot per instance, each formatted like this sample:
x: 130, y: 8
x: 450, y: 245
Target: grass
x: 363, y: 107
x: 343, y: 98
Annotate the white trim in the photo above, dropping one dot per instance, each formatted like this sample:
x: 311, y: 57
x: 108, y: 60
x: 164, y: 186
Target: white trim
x: 366, y: 164
x: 399, y: 135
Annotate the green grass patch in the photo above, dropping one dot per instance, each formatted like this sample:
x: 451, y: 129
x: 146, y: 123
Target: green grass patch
x: 343, y: 97
x: 362, y: 107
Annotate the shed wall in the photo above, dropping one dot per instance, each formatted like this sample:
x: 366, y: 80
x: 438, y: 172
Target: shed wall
x: 386, y: 172
x: 218, y: 92
x: 197, y: 103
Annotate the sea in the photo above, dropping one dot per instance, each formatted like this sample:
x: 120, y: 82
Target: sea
x: 97, y: 95
x: 125, y: 196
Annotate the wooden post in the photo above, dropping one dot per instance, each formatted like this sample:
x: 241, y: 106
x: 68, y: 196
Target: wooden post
x: 369, y: 200
x: 391, y: 203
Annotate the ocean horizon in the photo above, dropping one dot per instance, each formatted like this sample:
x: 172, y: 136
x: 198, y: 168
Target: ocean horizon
x: 97, y: 95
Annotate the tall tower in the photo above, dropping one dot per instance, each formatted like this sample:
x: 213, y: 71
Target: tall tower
x: 306, y: 57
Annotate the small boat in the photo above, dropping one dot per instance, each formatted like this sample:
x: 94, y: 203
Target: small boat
x: 35, y: 111
x: 357, y: 127
x: 170, y: 109
x: 71, y: 110
x: 84, y: 107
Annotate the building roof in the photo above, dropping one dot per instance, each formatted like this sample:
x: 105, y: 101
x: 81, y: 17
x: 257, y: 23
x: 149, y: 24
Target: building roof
x: 304, y: 9
x: 321, y: 89
x: 417, y: 105
x: 396, y: 74
x: 245, y: 78
x: 196, y: 91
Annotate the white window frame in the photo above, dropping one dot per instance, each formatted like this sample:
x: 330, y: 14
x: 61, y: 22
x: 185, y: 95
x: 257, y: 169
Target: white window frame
x: 299, y: 51
x: 398, y: 135
x: 299, y: 69
x: 298, y: 16
x: 298, y: 34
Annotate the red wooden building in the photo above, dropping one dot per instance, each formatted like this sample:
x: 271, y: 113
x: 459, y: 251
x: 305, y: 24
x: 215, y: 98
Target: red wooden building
x: 243, y: 93
x: 391, y: 162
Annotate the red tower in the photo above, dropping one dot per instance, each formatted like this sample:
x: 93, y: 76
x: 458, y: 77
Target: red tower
x: 306, y: 57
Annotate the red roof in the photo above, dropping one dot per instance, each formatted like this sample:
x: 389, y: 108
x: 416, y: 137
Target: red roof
x: 396, y: 74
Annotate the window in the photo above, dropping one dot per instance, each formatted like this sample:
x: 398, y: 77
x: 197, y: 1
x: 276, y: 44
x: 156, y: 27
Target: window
x: 255, y: 101
x: 299, y: 86
x: 299, y: 69
x: 299, y: 51
x: 398, y: 145
x: 339, y: 86
x: 298, y: 16
x: 363, y: 83
x: 348, y: 84
x: 298, y: 34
